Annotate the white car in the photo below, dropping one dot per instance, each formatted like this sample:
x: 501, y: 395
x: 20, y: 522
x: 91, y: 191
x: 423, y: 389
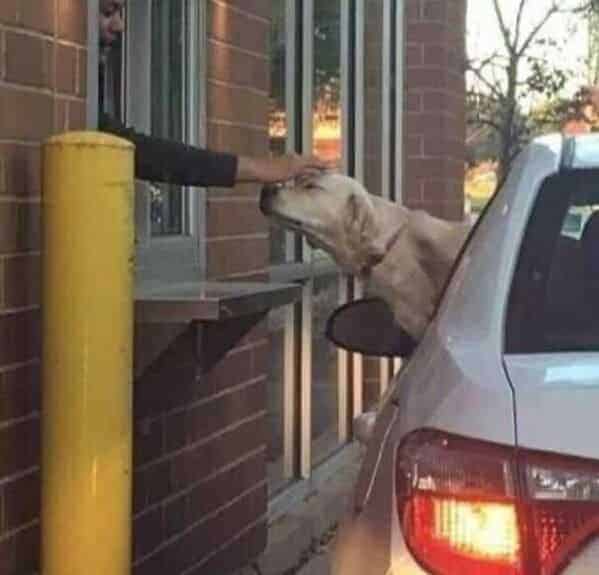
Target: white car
x: 484, y: 458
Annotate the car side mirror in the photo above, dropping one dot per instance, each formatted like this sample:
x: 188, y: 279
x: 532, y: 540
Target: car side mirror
x: 367, y: 326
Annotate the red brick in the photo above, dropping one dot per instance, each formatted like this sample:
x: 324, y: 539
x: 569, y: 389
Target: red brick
x: 66, y: 69
x: 19, y: 447
x: 151, y: 485
x: 413, y: 11
x: 425, y: 78
x: 230, y: 65
x: 29, y: 60
x: 430, y: 125
x: 198, y: 462
x: 414, y: 55
x: 19, y: 337
x: 82, y: 73
x: 237, y: 105
x: 77, y: 115
x: 427, y: 167
x: 20, y: 169
x: 414, y: 146
x: 9, y: 11
x: 72, y: 20
x: 147, y: 441
x: 228, y: 217
x: 244, y: 140
x: 210, y: 495
x: 19, y: 553
x: 261, y: 359
x: 256, y: 7
x: 237, y: 29
x: 436, y: 55
x: 176, y: 433
x: 426, y: 32
x: 211, y: 417
x: 22, y: 281
x: 36, y: 107
x: 175, y: 516
x: 21, y: 501
x: 148, y: 532
x: 209, y: 535
x: 19, y: 393
x: 238, y: 554
x: 228, y: 372
x: 61, y: 115
x: 38, y: 15
x: 413, y: 102
x: 226, y: 257
x: 435, y: 10
x: 19, y: 227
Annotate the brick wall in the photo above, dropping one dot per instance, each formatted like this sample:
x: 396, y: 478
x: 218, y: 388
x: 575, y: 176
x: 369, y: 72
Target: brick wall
x: 42, y: 91
x: 200, y: 492
x: 435, y: 106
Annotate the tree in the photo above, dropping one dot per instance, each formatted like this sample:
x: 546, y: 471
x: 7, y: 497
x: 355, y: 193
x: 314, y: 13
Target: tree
x: 518, y: 73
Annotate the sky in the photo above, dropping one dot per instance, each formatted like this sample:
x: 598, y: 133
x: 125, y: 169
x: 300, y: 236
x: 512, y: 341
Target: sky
x: 484, y: 36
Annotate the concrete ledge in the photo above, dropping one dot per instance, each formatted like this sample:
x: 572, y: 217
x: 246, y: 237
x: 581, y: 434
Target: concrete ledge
x: 298, y: 537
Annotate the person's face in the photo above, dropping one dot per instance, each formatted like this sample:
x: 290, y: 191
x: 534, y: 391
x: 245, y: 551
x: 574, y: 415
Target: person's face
x: 111, y: 21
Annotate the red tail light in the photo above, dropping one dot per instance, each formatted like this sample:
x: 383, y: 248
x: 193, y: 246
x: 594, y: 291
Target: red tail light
x: 472, y: 508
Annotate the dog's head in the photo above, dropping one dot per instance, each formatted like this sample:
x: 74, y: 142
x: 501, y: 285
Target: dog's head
x: 335, y: 213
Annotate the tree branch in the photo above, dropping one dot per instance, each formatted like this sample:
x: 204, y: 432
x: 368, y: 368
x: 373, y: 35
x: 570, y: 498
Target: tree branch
x: 504, y: 29
x: 492, y: 87
x: 519, y: 22
x: 550, y: 12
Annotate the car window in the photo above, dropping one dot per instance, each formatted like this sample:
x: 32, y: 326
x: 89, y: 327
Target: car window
x: 554, y: 301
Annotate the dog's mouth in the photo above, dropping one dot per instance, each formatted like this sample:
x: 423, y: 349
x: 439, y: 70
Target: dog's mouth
x: 267, y: 198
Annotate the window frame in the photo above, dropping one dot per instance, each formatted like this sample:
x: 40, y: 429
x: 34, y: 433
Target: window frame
x: 519, y: 340
x: 182, y: 257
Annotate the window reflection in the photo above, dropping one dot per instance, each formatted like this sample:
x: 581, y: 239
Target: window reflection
x: 277, y: 120
x: 168, y: 106
x: 327, y: 80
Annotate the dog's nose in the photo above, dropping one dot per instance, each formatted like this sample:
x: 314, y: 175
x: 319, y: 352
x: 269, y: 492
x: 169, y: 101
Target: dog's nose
x: 269, y: 191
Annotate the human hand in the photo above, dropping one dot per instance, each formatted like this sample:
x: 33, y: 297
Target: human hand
x: 280, y: 168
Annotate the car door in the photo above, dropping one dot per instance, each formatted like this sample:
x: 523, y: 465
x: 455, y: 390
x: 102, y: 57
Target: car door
x: 551, y: 357
x: 552, y: 325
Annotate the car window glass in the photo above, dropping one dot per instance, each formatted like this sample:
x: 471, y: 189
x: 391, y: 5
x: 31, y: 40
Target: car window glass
x: 554, y: 302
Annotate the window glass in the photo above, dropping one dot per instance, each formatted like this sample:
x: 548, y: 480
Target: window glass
x: 326, y: 98
x: 327, y: 79
x: 277, y: 120
x: 168, y: 113
x: 325, y: 401
x: 276, y: 403
x: 554, y: 303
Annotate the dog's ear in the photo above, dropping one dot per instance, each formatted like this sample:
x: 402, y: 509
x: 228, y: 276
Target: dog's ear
x: 362, y: 232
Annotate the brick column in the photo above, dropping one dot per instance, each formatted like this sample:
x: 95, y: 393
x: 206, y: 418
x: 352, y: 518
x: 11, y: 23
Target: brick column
x: 42, y: 91
x: 435, y: 104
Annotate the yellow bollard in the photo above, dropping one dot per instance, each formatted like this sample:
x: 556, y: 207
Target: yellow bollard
x: 87, y: 336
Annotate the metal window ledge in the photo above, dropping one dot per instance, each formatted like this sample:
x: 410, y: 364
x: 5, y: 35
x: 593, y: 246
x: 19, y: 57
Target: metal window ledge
x: 189, y: 302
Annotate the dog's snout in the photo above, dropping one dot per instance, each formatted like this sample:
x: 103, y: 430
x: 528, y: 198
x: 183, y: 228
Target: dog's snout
x: 267, y: 195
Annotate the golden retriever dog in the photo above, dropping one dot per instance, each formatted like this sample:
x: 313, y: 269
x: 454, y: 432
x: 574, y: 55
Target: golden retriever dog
x: 404, y: 255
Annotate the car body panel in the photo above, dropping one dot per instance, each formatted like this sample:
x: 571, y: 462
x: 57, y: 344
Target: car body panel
x: 557, y: 398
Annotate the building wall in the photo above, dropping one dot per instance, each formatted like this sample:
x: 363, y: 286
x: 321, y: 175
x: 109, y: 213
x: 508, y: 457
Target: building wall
x: 435, y: 106
x: 42, y: 91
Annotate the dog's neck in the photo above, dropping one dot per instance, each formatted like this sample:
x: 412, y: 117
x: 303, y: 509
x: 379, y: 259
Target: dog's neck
x: 411, y: 274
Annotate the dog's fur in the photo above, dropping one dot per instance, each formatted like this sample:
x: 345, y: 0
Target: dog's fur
x: 405, y: 255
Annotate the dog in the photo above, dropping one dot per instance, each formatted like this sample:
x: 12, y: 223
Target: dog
x: 405, y: 256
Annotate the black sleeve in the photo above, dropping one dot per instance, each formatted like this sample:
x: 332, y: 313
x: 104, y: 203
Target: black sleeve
x: 160, y: 160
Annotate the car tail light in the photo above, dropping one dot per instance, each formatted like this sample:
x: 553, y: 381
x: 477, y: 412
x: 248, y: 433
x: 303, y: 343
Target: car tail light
x: 468, y: 507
